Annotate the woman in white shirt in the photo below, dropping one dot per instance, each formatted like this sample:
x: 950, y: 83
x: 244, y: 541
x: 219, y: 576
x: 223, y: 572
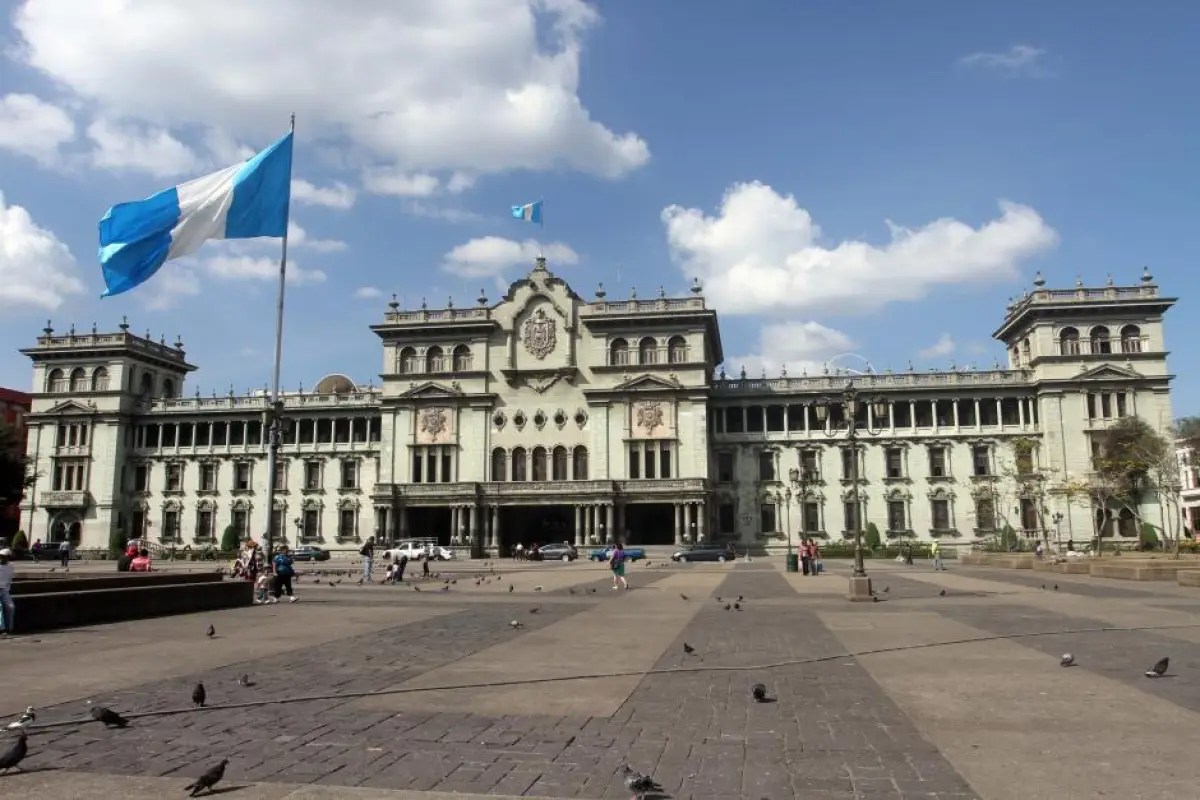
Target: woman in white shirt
x: 6, y: 581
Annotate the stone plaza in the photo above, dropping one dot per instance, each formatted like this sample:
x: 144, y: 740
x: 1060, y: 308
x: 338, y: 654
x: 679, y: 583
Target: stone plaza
x: 384, y: 691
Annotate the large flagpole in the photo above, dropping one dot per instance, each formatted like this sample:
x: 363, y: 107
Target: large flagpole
x: 274, y: 416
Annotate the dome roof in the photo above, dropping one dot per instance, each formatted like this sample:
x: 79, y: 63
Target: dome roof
x: 335, y: 384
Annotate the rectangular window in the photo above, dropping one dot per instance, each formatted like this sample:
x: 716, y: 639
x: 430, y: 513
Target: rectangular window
x: 346, y: 523
x: 649, y: 461
x: 766, y: 466
x: 174, y: 477
x: 897, y: 519
x: 1029, y: 516
x: 241, y: 476
x: 204, y: 524
x: 417, y: 472
x: 847, y: 464
x: 985, y: 514
x: 237, y: 433
x: 447, y: 468
x: 1106, y: 405
x: 664, y: 460
x: 981, y: 458
x: 141, y: 478
x: 137, y: 524
x: 635, y: 462
x: 810, y: 464
x: 726, y: 519
x: 431, y: 465
x: 811, y: 517
x: 170, y: 531
x: 168, y: 436
x: 239, y: 523
x: 220, y: 433
x: 937, y: 463
x: 894, y: 462
x: 1122, y: 408
x: 312, y: 475
x: 208, y: 477
x: 281, y: 476
x: 940, y: 511
x: 724, y: 467
x: 1024, y: 461
x: 349, y: 474
x: 312, y: 524
x: 767, y: 512
x: 186, y: 431
x: 849, y: 516
x: 279, y: 531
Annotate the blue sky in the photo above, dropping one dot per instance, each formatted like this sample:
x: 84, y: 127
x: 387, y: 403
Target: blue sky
x: 765, y: 153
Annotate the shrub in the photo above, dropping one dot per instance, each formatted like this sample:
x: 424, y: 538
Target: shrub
x: 230, y: 541
x: 871, y: 537
x: 1148, y: 537
x: 19, y: 542
x: 116, y: 543
x: 1009, y: 539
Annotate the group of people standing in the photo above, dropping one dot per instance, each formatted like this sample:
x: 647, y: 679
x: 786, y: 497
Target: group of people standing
x: 270, y: 584
x: 810, y: 557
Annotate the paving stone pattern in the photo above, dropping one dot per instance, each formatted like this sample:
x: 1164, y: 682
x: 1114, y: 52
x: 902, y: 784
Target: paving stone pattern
x: 1120, y: 655
x: 831, y: 733
x: 1035, y: 580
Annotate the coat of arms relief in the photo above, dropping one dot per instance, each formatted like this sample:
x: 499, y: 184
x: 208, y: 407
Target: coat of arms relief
x: 539, y: 334
x: 650, y: 417
x: 434, y: 422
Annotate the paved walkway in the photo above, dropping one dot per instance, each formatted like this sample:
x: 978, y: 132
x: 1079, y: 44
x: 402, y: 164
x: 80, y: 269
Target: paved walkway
x: 381, y: 691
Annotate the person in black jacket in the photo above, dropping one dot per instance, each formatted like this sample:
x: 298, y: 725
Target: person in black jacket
x: 368, y: 556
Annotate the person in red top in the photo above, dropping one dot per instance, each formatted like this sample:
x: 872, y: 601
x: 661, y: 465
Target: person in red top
x: 805, y: 561
x: 141, y: 563
x: 814, y: 557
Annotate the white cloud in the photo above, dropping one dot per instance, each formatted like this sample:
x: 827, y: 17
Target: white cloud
x: 170, y: 284
x: 245, y: 267
x: 367, y: 293
x: 36, y: 269
x: 761, y: 253
x: 794, y: 346
x: 473, y: 87
x: 34, y: 128
x: 943, y: 347
x: 395, y: 182
x: 1020, y: 59
x: 338, y: 195
x: 491, y: 256
x: 298, y: 237
x: 132, y: 146
x: 420, y: 208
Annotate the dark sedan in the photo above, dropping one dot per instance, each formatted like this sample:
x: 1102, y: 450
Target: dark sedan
x: 555, y: 552
x: 310, y: 553
x: 704, y: 552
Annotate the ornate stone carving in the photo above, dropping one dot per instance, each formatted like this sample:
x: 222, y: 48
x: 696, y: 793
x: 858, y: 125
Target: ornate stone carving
x: 434, y: 421
x: 650, y: 416
x: 539, y: 334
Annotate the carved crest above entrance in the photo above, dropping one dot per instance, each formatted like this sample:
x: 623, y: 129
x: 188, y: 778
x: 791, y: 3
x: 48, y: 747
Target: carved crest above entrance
x: 539, y: 334
x: 649, y: 417
x: 433, y: 425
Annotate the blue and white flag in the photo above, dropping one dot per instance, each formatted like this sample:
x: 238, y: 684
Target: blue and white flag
x: 245, y: 201
x: 530, y: 213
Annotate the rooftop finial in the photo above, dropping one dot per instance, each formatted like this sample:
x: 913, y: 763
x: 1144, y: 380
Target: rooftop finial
x: 93, y: 329
x: 482, y: 299
x: 600, y: 293
x: 449, y: 302
x: 424, y: 306
x: 633, y: 293
x: 1146, y: 276
x: 1038, y: 280
x: 179, y: 341
x: 539, y: 265
x: 1078, y: 282
x: 395, y: 304
x: 49, y: 329
x: 697, y: 288
x: 124, y: 326
x: 662, y: 292
x: 1109, y: 280
x: 72, y: 331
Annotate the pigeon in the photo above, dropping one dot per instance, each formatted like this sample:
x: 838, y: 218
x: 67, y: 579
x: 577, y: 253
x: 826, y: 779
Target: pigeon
x: 1056, y: 587
x: 208, y: 780
x: 718, y: 598
x: 13, y: 756
x: 534, y: 610
x: 740, y: 598
x: 641, y: 785
x: 244, y: 680
x: 510, y: 588
x: 942, y: 593
x: 23, y: 720
x: 1067, y: 660
x: 199, y: 695
x: 592, y: 590
x: 110, y: 718
x: 1043, y: 586
x: 514, y: 624
x: 759, y: 693
x: 688, y: 649
x: 727, y: 606
x: 537, y: 588
x: 570, y: 590
x: 887, y: 589
x: 211, y: 632
x: 683, y: 596
x: 1159, y: 669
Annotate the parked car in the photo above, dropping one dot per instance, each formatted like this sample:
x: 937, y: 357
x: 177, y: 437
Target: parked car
x: 414, y: 549
x: 555, y: 551
x: 704, y: 552
x: 631, y: 553
x: 310, y: 552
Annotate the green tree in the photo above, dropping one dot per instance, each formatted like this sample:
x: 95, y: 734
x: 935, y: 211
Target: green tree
x: 16, y: 473
x: 1148, y: 537
x: 230, y: 540
x: 116, y: 542
x: 871, y: 537
x: 1008, y: 538
x: 19, y: 542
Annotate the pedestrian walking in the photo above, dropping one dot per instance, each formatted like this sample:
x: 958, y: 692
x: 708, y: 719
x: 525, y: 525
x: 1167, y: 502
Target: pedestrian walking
x: 814, y: 557
x: 368, y: 556
x: 6, y: 602
x: 616, y: 563
x: 401, y: 565
x: 64, y: 552
x: 936, y: 552
x: 805, y: 559
x: 284, y: 572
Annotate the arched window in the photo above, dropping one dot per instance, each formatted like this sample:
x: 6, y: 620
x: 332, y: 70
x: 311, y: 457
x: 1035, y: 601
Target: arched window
x: 499, y: 464
x: 561, y: 459
x: 539, y: 464
x: 408, y: 363
x: 648, y: 351
x: 1131, y: 339
x: 462, y: 358
x: 56, y: 381
x: 1026, y: 351
x: 79, y: 380
x: 677, y: 350
x: 618, y: 352
x: 1100, y: 341
x: 433, y: 360
x: 579, y: 470
x: 1068, y: 342
x: 1104, y: 521
x: 1014, y: 355
x: 1126, y: 524
x: 100, y: 380
x: 147, y: 389
x: 519, y: 464
x: 168, y: 388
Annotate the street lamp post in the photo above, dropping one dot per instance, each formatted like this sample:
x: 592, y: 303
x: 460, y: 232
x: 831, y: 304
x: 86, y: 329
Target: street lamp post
x: 1057, y: 520
x: 860, y: 584
x: 784, y: 499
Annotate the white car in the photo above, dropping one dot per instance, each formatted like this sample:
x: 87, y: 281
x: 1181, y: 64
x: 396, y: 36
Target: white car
x: 416, y: 550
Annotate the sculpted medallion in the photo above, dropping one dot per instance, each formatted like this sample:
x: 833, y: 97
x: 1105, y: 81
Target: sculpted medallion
x: 434, y: 422
x: 650, y: 416
x: 539, y: 334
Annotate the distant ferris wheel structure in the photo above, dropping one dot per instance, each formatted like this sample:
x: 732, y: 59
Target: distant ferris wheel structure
x: 849, y: 364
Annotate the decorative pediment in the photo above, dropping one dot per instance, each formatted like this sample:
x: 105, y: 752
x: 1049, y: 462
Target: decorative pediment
x: 71, y: 407
x: 432, y: 390
x: 242, y: 504
x: 349, y: 504
x: 1109, y: 372
x: 540, y: 380
x: 172, y: 504
x: 648, y: 383
x: 897, y: 493
x: 940, y: 493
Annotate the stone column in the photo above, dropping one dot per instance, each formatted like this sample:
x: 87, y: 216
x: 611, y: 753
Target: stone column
x: 589, y: 522
x: 579, y: 526
x: 610, y: 524
x: 619, y: 519
x: 474, y: 528
x: 701, y: 514
x: 403, y: 523
x: 678, y: 525
x: 454, y: 516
